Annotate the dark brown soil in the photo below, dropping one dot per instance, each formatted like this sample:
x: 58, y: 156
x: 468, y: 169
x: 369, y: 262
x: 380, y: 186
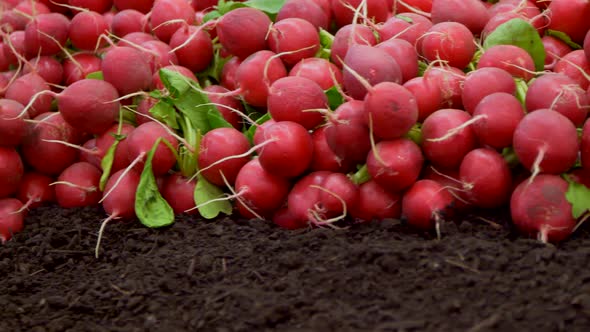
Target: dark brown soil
x: 251, y: 276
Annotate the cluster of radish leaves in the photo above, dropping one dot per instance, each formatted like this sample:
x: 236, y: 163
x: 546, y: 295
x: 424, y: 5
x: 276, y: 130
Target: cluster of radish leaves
x: 270, y: 7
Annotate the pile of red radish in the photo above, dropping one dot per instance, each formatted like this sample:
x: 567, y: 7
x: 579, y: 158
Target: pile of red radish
x: 304, y: 112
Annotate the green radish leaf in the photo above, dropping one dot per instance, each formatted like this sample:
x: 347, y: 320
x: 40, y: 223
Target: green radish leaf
x: 174, y: 82
x: 151, y: 208
x: 156, y: 94
x: 521, y: 33
x: 579, y: 197
x: 216, y: 120
x: 268, y: 6
x: 564, y: 38
x: 335, y: 98
x: 415, y: 134
x: 326, y: 39
x: 361, y: 176
x: 205, y: 196
x: 521, y: 90
x: 97, y: 75
x: 189, y: 104
x: 107, y: 164
x: 214, y: 14
x: 252, y: 129
x: 165, y: 112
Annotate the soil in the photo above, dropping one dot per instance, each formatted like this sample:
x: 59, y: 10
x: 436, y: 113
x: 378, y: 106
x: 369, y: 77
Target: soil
x: 226, y: 275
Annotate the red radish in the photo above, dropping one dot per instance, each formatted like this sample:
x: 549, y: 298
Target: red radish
x: 135, y: 38
x: 471, y: 13
x: 428, y: 95
x: 425, y: 205
x: 512, y: 59
x: 162, y: 54
x: 448, y: 41
x: 347, y: 133
x: 259, y: 133
x: 193, y: 47
x: 449, y: 180
x: 408, y: 5
x: 35, y: 190
x: 289, y: 151
x: 255, y: 75
x: 86, y: 28
x: 128, y: 21
x: 90, y: 153
x: 376, y: 203
x: 585, y: 146
x: 203, y: 5
x: 540, y: 152
x: 555, y: 49
x: 404, y: 55
x: 559, y: 93
x: 343, y: 10
x: 56, y: 5
x: 17, y: 18
x: 319, y: 70
x: 13, y: 46
x: 47, y: 67
x: 486, y: 178
x: 295, y: 36
x: 576, y: 66
x: 223, y: 152
x: 483, y: 82
x: 106, y: 140
x: 11, y: 171
x: 375, y: 65
x: 10, y: 222
x: 24, y: 88
x: 395, y: 164
x: 348, y: 35
x: 308, y: 10
x: 164, y: 12
x: 450, y: 81
x: 99, y: 6
x: 262, y: 192
x: 228, y: 73
x: 143, y: 108
x: 286, y: 219
x: 243, y: 31
x: 50, y: 158
x: 231, y: 103
x: 294, y: 99
x: 586, y: 45
x: 46, y: 34
x: 570, y: 17
x: 143, y: 6
x: 13, y: 127
x: 141, y: 140
x: 443, y: 147
x: 537, y: 20
x: 179, y: 191
x: 157, y: 81
x: 80, y: 66
x: 127, y: 69
x: 407, y: 26
x: 539, y: 208
x: 496, y: 118
x: 77, y: 186
x: 324, y: 159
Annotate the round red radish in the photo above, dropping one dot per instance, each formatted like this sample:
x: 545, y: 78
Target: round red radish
x: 289, y: 150
x: 255, y: 75
x: 404, y: 55
x: 13, y: 129
x: 90, y: 153
x: 86, y: 28
x: 227, y: 144
x: 496, y: 118
x: 376, y: 203
x: 25, y: 87
x: 570, y: 17
x: 11, y: 171
x: 576, y: 66
x: 77, y: 186
x: 486, y: 178
x: 295, y: 36
x: 228, y: 73
x: 407, y: 26
x: 428, y: 95
x: 347, y: 133
x: 127, y: 69
x: 157, y: 81
x: 14, y: 47
x: 286, y: 219
x: 396, y: 164
x: 165, y: 11
x: 46, y: 34
x: 106, y: 140
x: 512, y: 59
x: 483, y: 82
x: 391, y: 110
x: 120, y: 201
x: 555, y: 49
x: 450, y: 82
x: 128, y: 21
x: 448, y: 41
x: 324, y: 159
x: 141, y: 140
x: 80, y: 66
x: 243, y: 31
x: 161, y: 54
x: 143, y: 6
x: 471, y: 13
x: 426, y: 204
x: 308, y: 10
x: 347, y: 36
x: 319, y: 70
x: 197, y: 49
x: 343, y: 10
x: 35, y: 190
x: 178, y: 191
x: 10, y: 222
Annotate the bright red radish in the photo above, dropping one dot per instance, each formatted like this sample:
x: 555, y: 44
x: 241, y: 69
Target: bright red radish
x: 179, y: 191
x: 324, y: 159
x: 512, y: 59
x: 164, y: 12
x: 450, y: 82
x: 255, y: 75
x: 486, y: 178
x: 243, y: 31
x: 348, y: 35
x: 308, y: 10
x: 127, y: 69
x: 407, y: 26
x: 77, y: 186
x: 286, y: 219
x: 193, y: 47
x: 319, y: 70
x: 483, y: 82
x: 128, y: 21
x: 295, y: 36
x: 35, y: 190
x: 80, y: 66
x: 448, y: 41
x: 555, y: 49
x: 13, y: 129
x: 91, y: 154
x: 11, y: 171
x: 426, y: 204
x: 376, y: 203
x: 10, y: 222
x: 228, y: 73
x: 141, y: 140
x: 404, y: 55
x: 391, y: 110
x: 495, y: 119
x: 471, y: 13
x: 86, y: 28
x: 161, y: 54
x: 46, y: 34
x: 290, y: 150
x: 428, y: 95
x: 49, y: 68
x: 99, y: 6
x: 395, y: 164
x: 576, y: 66
x: 143, y: 6
x: 13, y: 47
x: 347, y: 133
x: 540, y: 209
x: 570, y: 17
x: 343, y: 10
x: 157, y: 81
x: 24, y: 88
x: 106, y: 140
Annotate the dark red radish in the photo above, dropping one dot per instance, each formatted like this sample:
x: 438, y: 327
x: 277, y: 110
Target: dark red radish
x: 99, y: 6
x: 86, y: 28
x: 376, y: 203
x: 347, y: 133
x: 585, y: 146
x: 157, y: 81
x: 586, y: 45
x: 13, y: 128
x: 319, y: 70
x: 14, y: 47
x: 546, y: 141
x: 512, y: 59
x: 286, y: 219
x: 555, y: 49
x: 486, y: 178
x: 106, y: 139
x: 581, y: 175
x: 256, y: 74
x: 570, y: 17
x: 308, y: 10
x: 428, y: 95
x: 90, y: 153
x: 408, y: 5
x: 127, y: 69
x: 471, y: 13
x: 288, y: 151
x: 259, y: 191
x: 128, y: 21
x: 24, y: 88
x: 297, y: 99
x: 324, y: 159
x: 10, y: 222
x: 143, y: 6
x: 161, y: 55
x: 343, y: 10
x: 11, y: 171
x: 15, y: 19
x: 495, y: 119
x: 407, y: 26
x: 135, y: 38
x: 56, y: 6
x: 46, y: 34
x: 404, y: 55
x: 35, y: 190
x: 539, y: 208
x: 193, y: 47
x: 559, y: 93
x: 226, y: 105
x: 445, y: 146
x: 243, y: 31
x: 296, y: 37
x: 228, y: 73
x: 77, y: 186
x: 348, y: 35
x: 141, y: 140
x: 179, y: 191
x: 576, y: 66
x: 426, y: 204
x: 222, y: 153
x: 450, y: 82
x: 49, y: 68
x: 391, y: 110
x: 375, y: 65
x: 79, y: 66
x: 203, y: 5
x: 395, y: 164
x: 4, y: 66
x: 448, y: 41
x: 483, y: 82
x: 164, y: 12
x: 41, y: 152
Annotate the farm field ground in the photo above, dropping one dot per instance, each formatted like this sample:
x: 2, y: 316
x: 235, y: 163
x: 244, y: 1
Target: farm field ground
x: 226, y: 275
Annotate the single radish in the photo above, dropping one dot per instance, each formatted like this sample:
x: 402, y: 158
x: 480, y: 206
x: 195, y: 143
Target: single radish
x: 570, y: 17
x: 228, y: 73
x: 77, y: 186
x: 86, y: 29
x: 23, y: 90
x: 290, y: 150
x: 243, y: 31
x: 141, y: 140
x: 179, y: 191
x: 347, y: 132
x: 255, y: 75
x: 49, y: 68
x: 407, y: 26
x: 495, y: 119
x: 10, y: 222
x: 344, y: 10
x: 127, y: 69
x: 483, y: 82
x: 286, y: 219
x: 347, y: 36
x: 164, y: 12
x: 107, y: 138
x: 395, y: 164
x: 13, y: 46
x: 376, y: 203
x: 79, y: 66
x: 13, y: 128
x: 319, y: 70
x: 91, y: 154
x: 450, y: 82
x: 226, y: 105
x: 324, y: 159
x: 576, y: 66
x: 308, y: 10
x: 486, y: 178
x: 448, y: 41
x: 428, y: 95
x: 426, y: 204
x: 161, y: 55
x: 512, y: 59
x: 295, y: 36
x: 555, y: 49
x: 471, y: 13
x: 193, y: 47
x: 35, y: 190
x: 128, y: 21
x: 46, y: 34
x: 11, y: 171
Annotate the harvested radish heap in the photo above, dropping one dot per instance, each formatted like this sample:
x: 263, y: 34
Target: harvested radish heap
x: 308, y: 113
